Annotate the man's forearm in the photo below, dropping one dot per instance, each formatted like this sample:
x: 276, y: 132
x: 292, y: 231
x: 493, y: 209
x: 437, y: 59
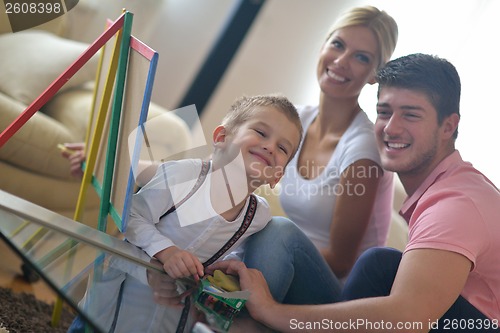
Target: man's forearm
x: 365, y: 315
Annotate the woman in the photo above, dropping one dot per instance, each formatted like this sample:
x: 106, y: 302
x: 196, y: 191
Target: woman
x: 334, y: 189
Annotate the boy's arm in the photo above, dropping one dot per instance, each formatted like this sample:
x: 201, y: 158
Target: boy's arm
x: 147, y: 207
x: 142, y: 231
x: 142, y: 228
x: 180, y: 263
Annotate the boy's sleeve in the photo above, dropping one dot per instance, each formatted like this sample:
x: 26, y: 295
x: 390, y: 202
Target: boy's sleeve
x: 148, y: 205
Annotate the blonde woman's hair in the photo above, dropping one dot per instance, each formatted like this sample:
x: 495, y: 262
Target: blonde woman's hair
x: 382, y: 24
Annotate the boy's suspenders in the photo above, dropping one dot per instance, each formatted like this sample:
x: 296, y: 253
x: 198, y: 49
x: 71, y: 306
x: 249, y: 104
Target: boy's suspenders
x: 205, y: 167
x: 247, y: 220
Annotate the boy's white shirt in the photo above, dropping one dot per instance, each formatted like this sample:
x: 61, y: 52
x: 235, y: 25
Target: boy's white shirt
x: 206, y: 235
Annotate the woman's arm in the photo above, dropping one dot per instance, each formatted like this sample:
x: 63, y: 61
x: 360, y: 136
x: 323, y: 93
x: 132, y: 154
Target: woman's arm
x: 352, y: 212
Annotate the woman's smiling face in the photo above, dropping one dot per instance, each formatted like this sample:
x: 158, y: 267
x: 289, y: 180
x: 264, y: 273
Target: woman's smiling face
x: 347, y: 61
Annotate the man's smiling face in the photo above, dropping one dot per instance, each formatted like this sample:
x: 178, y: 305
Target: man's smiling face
x: 407, y: 130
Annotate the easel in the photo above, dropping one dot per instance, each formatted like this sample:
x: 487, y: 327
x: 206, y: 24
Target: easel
x: 114, y: 179
x: 108, y: 129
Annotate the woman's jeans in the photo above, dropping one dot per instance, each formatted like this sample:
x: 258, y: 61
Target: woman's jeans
x: 373, y: 275
x: 294, y: 269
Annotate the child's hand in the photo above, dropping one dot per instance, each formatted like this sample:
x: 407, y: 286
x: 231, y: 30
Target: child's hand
x: 179, y: 263
x: 75, y: 154
x: 164, y: 287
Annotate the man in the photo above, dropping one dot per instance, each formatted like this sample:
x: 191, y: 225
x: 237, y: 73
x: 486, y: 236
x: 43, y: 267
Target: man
x: 448, y: 278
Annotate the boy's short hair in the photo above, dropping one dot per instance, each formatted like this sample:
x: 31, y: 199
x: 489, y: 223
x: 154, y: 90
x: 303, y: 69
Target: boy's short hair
x: 244, y: 108
x: 436, y: 77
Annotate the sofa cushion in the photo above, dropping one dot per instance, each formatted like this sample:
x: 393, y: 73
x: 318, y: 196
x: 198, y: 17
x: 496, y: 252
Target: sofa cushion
x: 32, y: 60
x: 34, y: 146
x: 72, y: 109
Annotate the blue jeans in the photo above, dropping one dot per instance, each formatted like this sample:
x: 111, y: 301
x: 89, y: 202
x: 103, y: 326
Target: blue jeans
x: 294, y: 269
x: 373, y: 275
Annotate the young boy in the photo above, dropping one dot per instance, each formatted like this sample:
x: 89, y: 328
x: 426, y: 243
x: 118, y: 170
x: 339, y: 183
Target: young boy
x: 191, y: 209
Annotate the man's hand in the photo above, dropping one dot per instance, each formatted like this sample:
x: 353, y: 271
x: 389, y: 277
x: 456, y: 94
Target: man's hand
x: 179, y: 263
x: 251, y: 280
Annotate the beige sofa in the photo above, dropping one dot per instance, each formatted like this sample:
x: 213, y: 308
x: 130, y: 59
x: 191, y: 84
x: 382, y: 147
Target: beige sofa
x: 31, y: 166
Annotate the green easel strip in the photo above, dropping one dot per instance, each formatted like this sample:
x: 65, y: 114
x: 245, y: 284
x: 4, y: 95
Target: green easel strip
x: 115, y: 123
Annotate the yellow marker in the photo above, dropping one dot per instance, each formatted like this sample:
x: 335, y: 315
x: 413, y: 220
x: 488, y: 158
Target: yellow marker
x: 65, y: 149
x: 224, y: 281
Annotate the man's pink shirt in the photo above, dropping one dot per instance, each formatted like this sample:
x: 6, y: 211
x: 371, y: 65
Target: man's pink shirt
x: 457, y: 209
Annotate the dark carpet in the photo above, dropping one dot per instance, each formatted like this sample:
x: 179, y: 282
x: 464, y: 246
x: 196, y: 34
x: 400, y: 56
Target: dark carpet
x: 23, y: 313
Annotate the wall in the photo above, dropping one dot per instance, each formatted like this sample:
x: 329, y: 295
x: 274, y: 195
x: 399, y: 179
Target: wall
x: 279, y: 53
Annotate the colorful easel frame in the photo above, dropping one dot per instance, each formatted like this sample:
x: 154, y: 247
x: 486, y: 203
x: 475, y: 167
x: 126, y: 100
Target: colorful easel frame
x: 113, y: 29
x: 108, y: 178
x: 117, y: 168
x: 116, y: 78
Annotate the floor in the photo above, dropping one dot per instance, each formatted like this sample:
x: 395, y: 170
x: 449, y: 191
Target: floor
x: 11, y: 276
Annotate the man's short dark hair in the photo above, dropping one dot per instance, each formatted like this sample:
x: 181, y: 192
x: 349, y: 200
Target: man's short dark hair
x: 437, y: 78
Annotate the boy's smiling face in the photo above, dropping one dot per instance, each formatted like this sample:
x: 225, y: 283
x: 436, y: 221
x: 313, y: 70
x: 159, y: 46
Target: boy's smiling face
x: 266, y: 141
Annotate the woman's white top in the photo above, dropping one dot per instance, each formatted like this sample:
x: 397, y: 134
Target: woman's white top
x: 310, y: 203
